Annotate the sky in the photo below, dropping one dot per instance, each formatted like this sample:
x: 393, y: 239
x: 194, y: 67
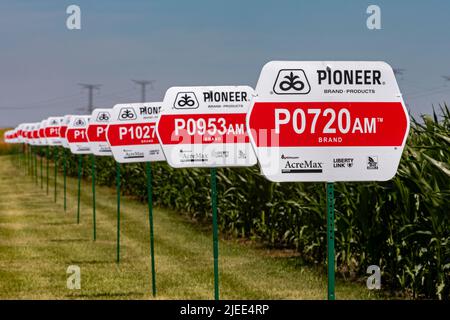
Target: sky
x: 207, y: 42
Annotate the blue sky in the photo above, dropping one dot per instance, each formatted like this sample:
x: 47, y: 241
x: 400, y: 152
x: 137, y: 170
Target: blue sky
x: 204, y: 43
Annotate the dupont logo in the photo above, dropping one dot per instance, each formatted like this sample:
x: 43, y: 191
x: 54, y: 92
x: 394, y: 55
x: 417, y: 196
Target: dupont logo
x: 127, y: 114
x: 186, y: 100
x: 291, y: 81
x: 103, y: 117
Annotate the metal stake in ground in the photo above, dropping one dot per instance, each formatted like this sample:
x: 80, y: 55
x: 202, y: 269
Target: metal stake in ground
x: 42, y: 177
x: 215, y: 231
x: 118, y: 209
x: 330, y: 237
x: 65, y: 178
x: 93, y: 198
x: 56, y: 167
x: 47, y: 163
x: 150, y: 219
x: 80, y: 163
x: 35, y: 166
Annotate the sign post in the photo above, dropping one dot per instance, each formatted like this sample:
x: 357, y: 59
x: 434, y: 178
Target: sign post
x: 52, y: 136
x: 330, y: 241
x: 55, y: 159
x: 96, y: 135
x: 118, y: 211
x: 328, y: 121
x: 76, y: 136
x: 204, y: 127
x: 65, y: 145
x: 80, y: 166
x: 132, y: 137
x: 47, y: 149
x: 148, y: 167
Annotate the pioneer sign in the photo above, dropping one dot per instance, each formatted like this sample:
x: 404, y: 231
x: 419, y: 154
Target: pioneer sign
x: 205, y: 126
x: 52, y: 131
x: 63, y: 131
x: 131, y: 132
x: 96, y: 132
x: 328, y: 121
x: 76, y: 135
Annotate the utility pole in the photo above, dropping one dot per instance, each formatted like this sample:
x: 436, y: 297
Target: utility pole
x: 143, y: 84
x: 90, y: 88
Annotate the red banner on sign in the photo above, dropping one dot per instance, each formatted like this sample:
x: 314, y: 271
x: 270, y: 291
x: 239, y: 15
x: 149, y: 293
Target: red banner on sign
x: 97, y: 132
x: 203, y: 128
x: 52, y: 132
x: 328, y: 124
x: 76, y: 135
x: 62, y: 131
x: 129, y: 134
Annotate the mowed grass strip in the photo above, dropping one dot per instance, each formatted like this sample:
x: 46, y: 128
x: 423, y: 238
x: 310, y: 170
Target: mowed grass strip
x: 38, y: 241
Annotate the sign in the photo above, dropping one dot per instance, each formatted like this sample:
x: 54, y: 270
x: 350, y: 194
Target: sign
x: 328, y: 121
x: 35, y: 140
x: 76, y: 135
x: 26, y: 133
x: 11, y: 136
x: 20, y: 133
x: 42, y: 138
x: 131, y: 132
x: 96, y: 132
x: 52, y: 131
x: 205, y: 127
x: 63, y: 131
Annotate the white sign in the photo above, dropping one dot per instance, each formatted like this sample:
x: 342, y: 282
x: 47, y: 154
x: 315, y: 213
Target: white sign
x: 96, y: 132
x: 76, y: 135
x: 52, y: 131
x: 63, y: 131
x: 42, y: 138
x: 328, y: 121
x: 205, y: 127
x: 131, y: 132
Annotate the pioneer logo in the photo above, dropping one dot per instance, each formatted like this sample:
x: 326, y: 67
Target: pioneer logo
x: 127, y: 114
x: 306, y: 166
x: 103, y: 117
x: 349, y: 77
x: 291, y: 81
x: 186, y: 100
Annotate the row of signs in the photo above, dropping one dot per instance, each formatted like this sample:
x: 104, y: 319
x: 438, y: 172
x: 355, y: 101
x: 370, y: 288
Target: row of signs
x: 306, y: 121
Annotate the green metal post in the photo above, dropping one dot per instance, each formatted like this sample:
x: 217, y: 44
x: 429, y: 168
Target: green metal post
x: 47, y: 163
x: 55, y: 157
x: 42, y: 176
x: 118, y: 209
x: 65, y: 178
x: 94, y: 222
x: 35, y: 166
x: 215, y: 231
x: 330, y: 237
x: 80, y: 163
x: 150, y: 219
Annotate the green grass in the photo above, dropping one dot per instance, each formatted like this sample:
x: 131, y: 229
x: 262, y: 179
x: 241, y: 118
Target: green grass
x: 38, y: 241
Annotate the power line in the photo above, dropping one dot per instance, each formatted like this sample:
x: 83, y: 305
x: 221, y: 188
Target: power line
x: 143, y: 84
x: 90, y: 88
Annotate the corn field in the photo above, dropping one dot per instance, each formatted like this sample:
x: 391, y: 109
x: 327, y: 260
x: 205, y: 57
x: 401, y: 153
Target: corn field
x: 401, y: 225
